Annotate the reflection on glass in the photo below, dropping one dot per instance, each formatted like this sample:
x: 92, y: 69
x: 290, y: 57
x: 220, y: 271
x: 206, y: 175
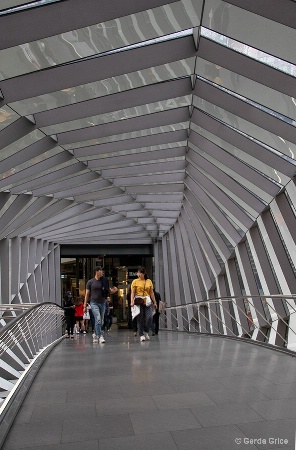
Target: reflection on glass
x: 12, y: 6
x: 32, y: 162
x: 247, y: 129
x: 20, y: 144
x: 264, y: 196
x: 131, y: 135
x: 251, y: 52
x: 174, y: 70
x: 121, y: 33
x: 260, y: 95
x: 119, y: 115
x: 7, y: 117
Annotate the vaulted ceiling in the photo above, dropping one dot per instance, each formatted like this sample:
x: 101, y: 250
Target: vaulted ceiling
x: 117, y: 115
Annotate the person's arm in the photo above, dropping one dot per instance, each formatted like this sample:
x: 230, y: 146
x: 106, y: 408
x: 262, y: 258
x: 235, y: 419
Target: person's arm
x: 133, y: 292
x: 113, y: 290
x: 153, y: 297
x: 87, y: 292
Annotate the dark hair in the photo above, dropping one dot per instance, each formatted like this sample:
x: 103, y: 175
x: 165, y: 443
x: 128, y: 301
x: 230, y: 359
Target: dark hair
x: 98, y: 268
x: 142, y: 269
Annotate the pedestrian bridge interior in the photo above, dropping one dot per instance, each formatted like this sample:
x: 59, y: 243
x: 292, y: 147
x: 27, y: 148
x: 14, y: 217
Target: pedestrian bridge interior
x: 160, y: 125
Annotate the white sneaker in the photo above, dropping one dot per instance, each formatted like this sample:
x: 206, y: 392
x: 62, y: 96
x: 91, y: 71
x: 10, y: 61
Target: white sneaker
x: 102, y: 340
x: 147, y: 336
x: 95, y: 338
x: 77, y: 331
x: 142, y: 338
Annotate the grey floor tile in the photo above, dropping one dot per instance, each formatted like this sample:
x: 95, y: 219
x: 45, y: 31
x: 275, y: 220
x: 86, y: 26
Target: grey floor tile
x: 226, y: 414
x: 281, y: 377
x: 275, y: 409
x: 33, y: 434
x: 41, y: 397
x: 125, y: 405
x: 278, y: 391
x: 87, y: 445
x: 151, y: 391
x: 270, y: 431
x: 216, y: 438
x: 25, y: 413
x: 231, y: 395
x: 247, y: 380
x: 166, y: 420
x: 89, y: 395
x: 145, y: 389
x: 157, y: 441
x: 88, y: 427
x: 43, y: 413
x: 197, y: 385
x: 182, y: 400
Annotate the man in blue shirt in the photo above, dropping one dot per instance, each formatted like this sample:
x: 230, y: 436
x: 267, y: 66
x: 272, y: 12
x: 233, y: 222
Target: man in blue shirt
x: 97, y: 290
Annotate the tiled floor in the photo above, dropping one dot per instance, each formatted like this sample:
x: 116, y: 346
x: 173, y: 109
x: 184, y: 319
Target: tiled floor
x: 178, y: 391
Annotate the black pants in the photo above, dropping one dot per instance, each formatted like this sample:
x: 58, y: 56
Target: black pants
x: 155, y: 323
x: 70, y: 321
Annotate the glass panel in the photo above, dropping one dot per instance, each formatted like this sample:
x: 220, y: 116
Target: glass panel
x: 262, y: 95
x: 7, y: 117
x: 125, y: 136
x: 240, y: 154
x: 177, y: 69
x: 32, y: 162
x: 100, y: 38
x: 40, y: 175
x: 12, y: 6
x: 119, y: 115
x: 246, y: 128
x: 134, y: 151
x: 251, y: 29
x: 20, y: 144
x: 265, y: 197
x: 239, y: 202
x: 251, y: 52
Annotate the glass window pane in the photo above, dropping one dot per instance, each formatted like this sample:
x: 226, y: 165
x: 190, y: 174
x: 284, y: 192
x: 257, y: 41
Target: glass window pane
x: 177, y: 69
x: 118, y: 115
x: 251, y: 29
x: 100, y: 38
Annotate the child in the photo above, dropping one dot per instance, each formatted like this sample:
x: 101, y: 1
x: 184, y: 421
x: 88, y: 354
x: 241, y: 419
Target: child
x: 79, y: 307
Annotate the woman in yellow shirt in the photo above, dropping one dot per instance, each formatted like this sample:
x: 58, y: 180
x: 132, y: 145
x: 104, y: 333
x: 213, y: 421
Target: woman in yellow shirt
x: 143, y: 287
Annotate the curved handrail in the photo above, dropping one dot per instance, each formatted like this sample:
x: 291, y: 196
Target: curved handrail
x: 25, y: 307
x: 36, y: 327
x: 272, y: 328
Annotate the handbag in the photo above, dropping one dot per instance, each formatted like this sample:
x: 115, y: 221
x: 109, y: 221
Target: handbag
x: 140, y: 300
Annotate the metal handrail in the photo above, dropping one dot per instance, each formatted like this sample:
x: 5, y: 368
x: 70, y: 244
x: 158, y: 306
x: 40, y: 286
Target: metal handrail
x: 34, y: 328
x: 252, y: 317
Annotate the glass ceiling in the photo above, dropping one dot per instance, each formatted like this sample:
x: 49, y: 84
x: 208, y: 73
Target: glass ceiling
x: 122, y: 114
x: 174, y: 70
x: 100, y: 38
x: 234, y: 129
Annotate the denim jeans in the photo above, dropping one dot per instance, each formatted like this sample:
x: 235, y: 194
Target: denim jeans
x: 98, y: 310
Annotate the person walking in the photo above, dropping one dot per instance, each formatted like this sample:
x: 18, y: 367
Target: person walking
x: 69, y: 309
x: 97, y: 290
x: 110, y: 314
x: 79, y: 310
x: 155, y: 319
x: 142, y: 288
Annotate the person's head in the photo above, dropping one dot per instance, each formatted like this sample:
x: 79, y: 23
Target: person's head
x: 99, y: 271
x: 142, y: 273
x: 108, y: 299
x: 68, y: 295
x: 78, y: 301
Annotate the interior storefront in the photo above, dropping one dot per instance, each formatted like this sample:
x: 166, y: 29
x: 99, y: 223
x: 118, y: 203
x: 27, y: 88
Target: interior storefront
x: 120, y: 270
